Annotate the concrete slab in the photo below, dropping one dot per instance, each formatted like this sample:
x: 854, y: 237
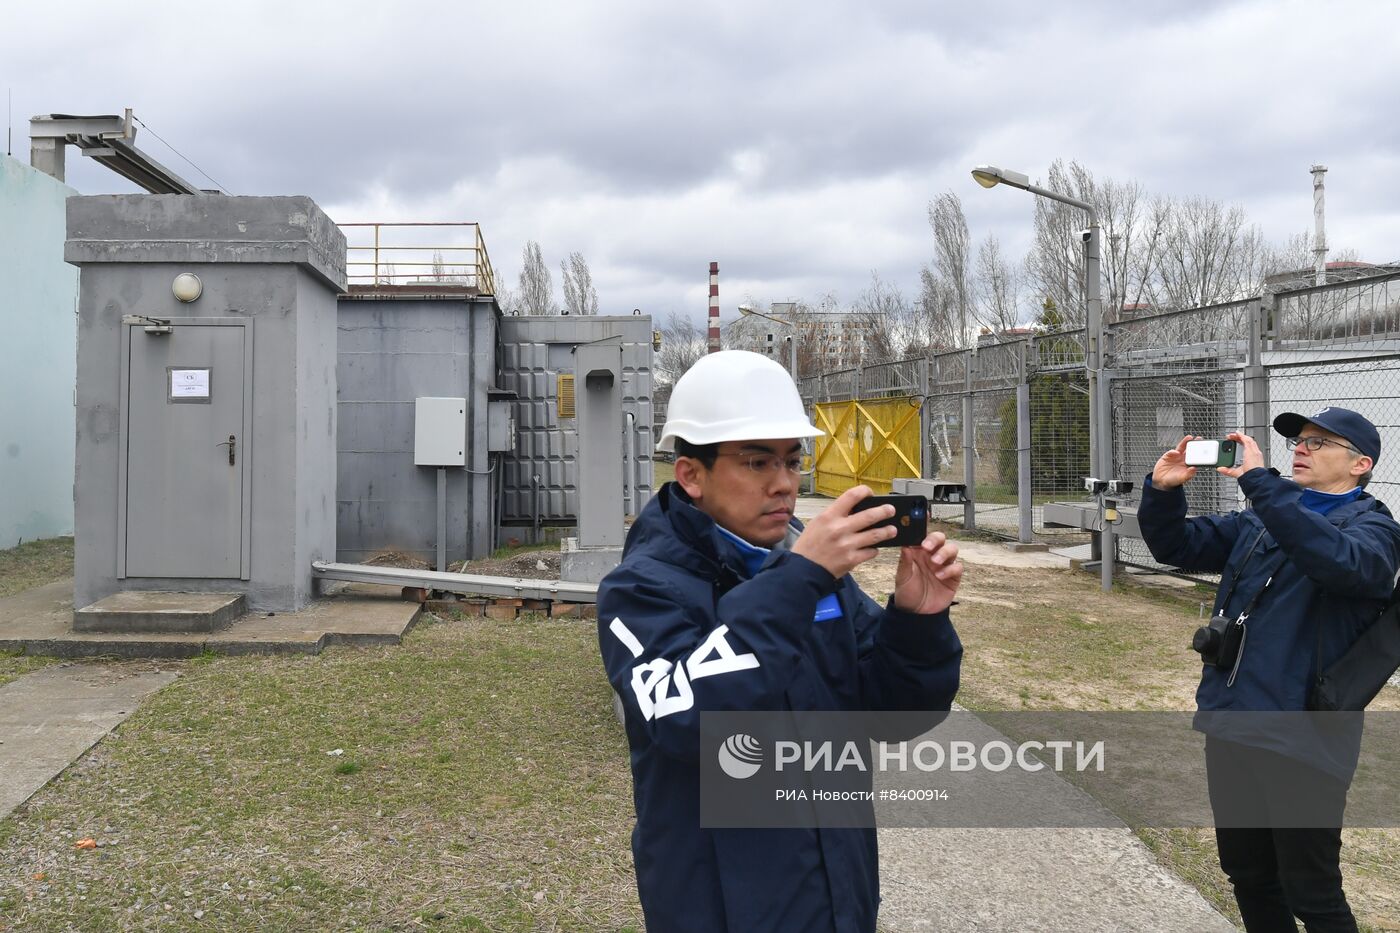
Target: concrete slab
x: 51, y: 717
x: 39, y: 621
x: 135, y: 611
x: 1096, y: 876
x: 586, y: 564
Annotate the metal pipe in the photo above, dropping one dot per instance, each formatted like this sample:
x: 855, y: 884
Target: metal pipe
x: 535, y: 510
x: 969, y: 445
x: 457, y: 582
x: 629, y: 475
x: 1023, y: 463
x: 442, y: 519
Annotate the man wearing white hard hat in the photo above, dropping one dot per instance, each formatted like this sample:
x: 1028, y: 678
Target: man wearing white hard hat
x: 724, y: 601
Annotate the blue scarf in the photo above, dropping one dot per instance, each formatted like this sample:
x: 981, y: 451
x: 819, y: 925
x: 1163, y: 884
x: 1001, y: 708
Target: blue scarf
x: 1324, y: 502
x: 828, y: 607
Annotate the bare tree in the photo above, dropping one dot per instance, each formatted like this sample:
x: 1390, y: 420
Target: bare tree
x: 683, y: 342
x: 439, y: 271
x: 1164, y: 254
x: 883, y: 314
x: 536, y: 285
x: 998, y: 289
x: 507, y: 298
x: 933, y: 326
x: 1208, y: 254
x: 580, y: 297
x: 1055, y: 265
x: 951, y: 255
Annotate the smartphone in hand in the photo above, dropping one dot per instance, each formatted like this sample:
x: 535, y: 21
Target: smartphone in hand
x: 1213, y: 453
x: 910, y: 518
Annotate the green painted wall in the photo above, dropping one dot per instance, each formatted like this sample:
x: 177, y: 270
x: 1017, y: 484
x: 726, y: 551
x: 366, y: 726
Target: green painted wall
x: 38, y: 357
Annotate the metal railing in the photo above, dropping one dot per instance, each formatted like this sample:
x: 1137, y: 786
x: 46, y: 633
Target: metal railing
x: 395, y: 256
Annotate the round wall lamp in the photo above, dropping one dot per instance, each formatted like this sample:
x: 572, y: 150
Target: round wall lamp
x: 187, y: 287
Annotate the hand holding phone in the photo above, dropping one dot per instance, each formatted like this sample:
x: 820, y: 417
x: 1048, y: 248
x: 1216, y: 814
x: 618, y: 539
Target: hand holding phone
x: 1204, y: 453
x: 910, y: 519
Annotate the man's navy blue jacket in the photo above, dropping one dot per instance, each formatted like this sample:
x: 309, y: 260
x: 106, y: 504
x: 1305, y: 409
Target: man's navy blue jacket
x: 1335, y: 571
x: 684, y: 628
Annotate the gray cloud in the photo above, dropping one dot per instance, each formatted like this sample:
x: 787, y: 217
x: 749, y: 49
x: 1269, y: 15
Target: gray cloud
x: 798, y: 144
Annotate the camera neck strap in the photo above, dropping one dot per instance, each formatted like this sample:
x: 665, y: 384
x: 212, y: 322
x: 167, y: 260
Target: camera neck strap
x: 1236, y: 578
x: 1257, y: 596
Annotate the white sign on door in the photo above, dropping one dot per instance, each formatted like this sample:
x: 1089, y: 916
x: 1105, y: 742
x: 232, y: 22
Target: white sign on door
x: 189, y: 383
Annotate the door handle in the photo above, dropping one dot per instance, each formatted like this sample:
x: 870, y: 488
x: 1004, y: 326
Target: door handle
x: 232, y: 445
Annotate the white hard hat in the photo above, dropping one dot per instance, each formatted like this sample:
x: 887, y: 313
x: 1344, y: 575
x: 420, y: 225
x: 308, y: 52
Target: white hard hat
x: 735, y: 395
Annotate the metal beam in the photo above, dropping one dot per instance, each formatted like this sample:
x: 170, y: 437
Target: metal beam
x: 131, y: 163
x: 465, y: 583
x: 109, y: 139
x: 1087, y: 516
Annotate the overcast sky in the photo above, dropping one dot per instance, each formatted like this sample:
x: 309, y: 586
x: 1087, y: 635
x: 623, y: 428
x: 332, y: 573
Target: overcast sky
x: 797, y: 144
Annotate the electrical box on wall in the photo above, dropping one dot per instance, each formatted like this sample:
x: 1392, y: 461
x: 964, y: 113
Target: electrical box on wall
x: 440, y: 431
x: 500, y: 428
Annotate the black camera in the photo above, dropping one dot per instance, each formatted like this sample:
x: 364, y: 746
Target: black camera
x: 1219, y: 642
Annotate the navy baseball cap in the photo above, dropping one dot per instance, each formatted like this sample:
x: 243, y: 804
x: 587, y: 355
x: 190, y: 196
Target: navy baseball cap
x: 1342, y: 422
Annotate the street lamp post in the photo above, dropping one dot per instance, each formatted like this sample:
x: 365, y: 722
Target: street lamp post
x: 1100, y: 441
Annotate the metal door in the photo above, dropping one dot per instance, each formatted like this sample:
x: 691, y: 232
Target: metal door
x: 186, y: 447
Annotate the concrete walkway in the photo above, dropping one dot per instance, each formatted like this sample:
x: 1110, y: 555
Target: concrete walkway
x: 1095, y: 876
x: 40, y: 621
x: 52, y: 716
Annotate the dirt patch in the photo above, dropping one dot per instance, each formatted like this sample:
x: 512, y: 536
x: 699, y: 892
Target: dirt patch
x: 540, y: 563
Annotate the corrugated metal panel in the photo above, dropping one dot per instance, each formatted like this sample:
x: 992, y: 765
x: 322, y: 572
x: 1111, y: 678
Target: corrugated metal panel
x: 537, y: 350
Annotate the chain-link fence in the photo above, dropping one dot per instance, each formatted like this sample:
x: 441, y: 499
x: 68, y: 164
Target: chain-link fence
x: 1152, y: 412
x: 1203, y: 371
x: 1368, y: 386
x: 1248, y: 362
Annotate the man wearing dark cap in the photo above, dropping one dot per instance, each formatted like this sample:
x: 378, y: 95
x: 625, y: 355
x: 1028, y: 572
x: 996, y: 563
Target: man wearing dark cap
x: 1304, y: 572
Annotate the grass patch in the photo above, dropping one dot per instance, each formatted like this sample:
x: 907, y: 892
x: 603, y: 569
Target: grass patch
x: 35, y: 563
x: 484, y: 785
x: 14, y: 665
x: 507, y: 552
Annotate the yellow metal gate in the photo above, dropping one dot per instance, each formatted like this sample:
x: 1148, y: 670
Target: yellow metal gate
x: 868, y: 441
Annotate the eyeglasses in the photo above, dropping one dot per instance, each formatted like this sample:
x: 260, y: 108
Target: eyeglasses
x: 1316, y: 444
x: 768, y: 464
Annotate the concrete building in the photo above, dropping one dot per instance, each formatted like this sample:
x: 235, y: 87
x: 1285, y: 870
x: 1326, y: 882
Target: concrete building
x: 206, y: 436
x: 826, y: 339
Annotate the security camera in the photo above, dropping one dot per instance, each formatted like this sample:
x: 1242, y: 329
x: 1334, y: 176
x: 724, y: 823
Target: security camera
x: 1120, y: 487
x: 1085, y: 235
x: 1095, y: 486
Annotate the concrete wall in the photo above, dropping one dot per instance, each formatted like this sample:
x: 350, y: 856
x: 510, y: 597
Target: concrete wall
x: 534, y: 351
x: 38, y: 357
x: 393, y: 350
x: 316, y: 426
x: 271, y: 261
